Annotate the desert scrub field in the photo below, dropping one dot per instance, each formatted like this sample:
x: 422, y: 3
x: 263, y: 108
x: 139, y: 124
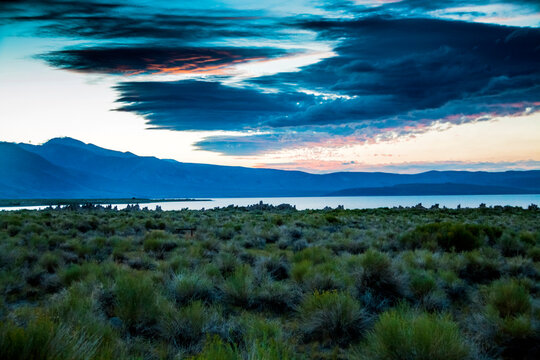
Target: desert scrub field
x: 270, y: 283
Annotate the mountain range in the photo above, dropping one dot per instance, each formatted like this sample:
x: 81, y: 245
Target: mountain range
x: 68, y: 168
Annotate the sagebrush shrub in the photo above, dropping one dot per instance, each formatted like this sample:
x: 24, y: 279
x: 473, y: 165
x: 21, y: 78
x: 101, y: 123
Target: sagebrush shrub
x: 216, y: 348
x: 42, y: 339
x: 188, y: 326
x: 379, y: 278
x: 158, y: 240
x: 192, y: 286
x: 136, y: 301
x: 450, y: 236
x: 402, y: 333
x: 509, y: 298
x: 331, y: 316
x: 239, y: 287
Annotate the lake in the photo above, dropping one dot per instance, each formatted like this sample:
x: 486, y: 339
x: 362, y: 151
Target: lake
x: 349, y: 202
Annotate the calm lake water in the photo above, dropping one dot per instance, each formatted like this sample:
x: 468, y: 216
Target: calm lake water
x: 349, y: 202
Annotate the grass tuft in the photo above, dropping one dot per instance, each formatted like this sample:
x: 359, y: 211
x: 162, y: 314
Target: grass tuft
x: 402, y: 333
x: 331, y: 317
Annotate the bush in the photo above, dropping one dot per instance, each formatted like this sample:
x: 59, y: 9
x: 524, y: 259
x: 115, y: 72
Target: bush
x: 277, y: 267
x: 319, y: 280
x: 331, y: 317
x: 158, y: 240
x: 17, y: 342
x: 534, y: 253
x: 378, y: 278
x: 276, y: 296
x: 136, y: 302
x: 239, y: 287
x: 404, y: 334
x: 50, y: 261
x: 270, y: 349
x: 189, y: 287
x: 450, y: 236
x: 300, y: 270
x: 215, y: 348
x: 73, y: 273
x: 510, y: 245
x: 187, y: 326
x: 422, y: 283
x: 315, y: 254
x: 41, y: 339
x: 508, y: 298
x: 481, y: 266
x: 227, y: 263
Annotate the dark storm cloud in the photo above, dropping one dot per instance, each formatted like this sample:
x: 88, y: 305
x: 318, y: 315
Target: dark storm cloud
x: 407, y: 7
x: 111, y: 21
x: 395, y: 77
x: 396, y: 71
x: 414, y: 123
x: 394, y: 66
x: 200, y: 105
x: 155, y: 26
x: 42, y: 10
x: 441, y: 4
x: 386, y: 70
x: 148, y: 60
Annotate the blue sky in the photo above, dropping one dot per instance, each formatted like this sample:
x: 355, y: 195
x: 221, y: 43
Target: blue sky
x: 320, y: 86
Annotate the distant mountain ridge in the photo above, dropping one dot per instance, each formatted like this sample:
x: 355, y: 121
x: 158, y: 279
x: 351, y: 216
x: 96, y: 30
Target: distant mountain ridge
x: 431, y: 189
x: 68, y: 168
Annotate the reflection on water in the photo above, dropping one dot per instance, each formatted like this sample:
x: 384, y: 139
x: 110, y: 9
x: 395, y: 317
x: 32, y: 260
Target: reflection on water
x: 348, y: 202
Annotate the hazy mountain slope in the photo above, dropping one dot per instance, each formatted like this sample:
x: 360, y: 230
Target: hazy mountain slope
x: 65, y: 167
x: 430, y: 189
x: 25, y: 174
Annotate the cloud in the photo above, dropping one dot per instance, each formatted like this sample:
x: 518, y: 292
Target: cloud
x: 391, y: 67
x: 255, y: 144
x: 144, y: 59
x: 424, y: 7
x: 330, y: 166
x: 134, y: 20
x: 388, y: 73
x: 367, y: 132
x: 397, y: 70
x: 201, y: 105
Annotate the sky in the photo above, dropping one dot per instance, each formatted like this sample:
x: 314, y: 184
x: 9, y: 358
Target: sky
x: 320, y: 86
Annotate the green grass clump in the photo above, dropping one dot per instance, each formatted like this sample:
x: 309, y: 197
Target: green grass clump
x: 271, y: 349
x: 73, y: 273
x: 187, y: 326
x: 276, y: 296
x: 158, y: 240
x: 216, y: 348
x: 422, y: 283
x: 50, y: 261
x: 509, y: 298
x: 402, y: 333
x: 136, y: 302
x: 192, y: 286
x: 30, y: 342
x: 41, y: 339
x: 239, y: 288
x: 450, y: 236
x: 379, y: 279
x: 482, y: 266
x: 331, y: 317
x: 315, y: 254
